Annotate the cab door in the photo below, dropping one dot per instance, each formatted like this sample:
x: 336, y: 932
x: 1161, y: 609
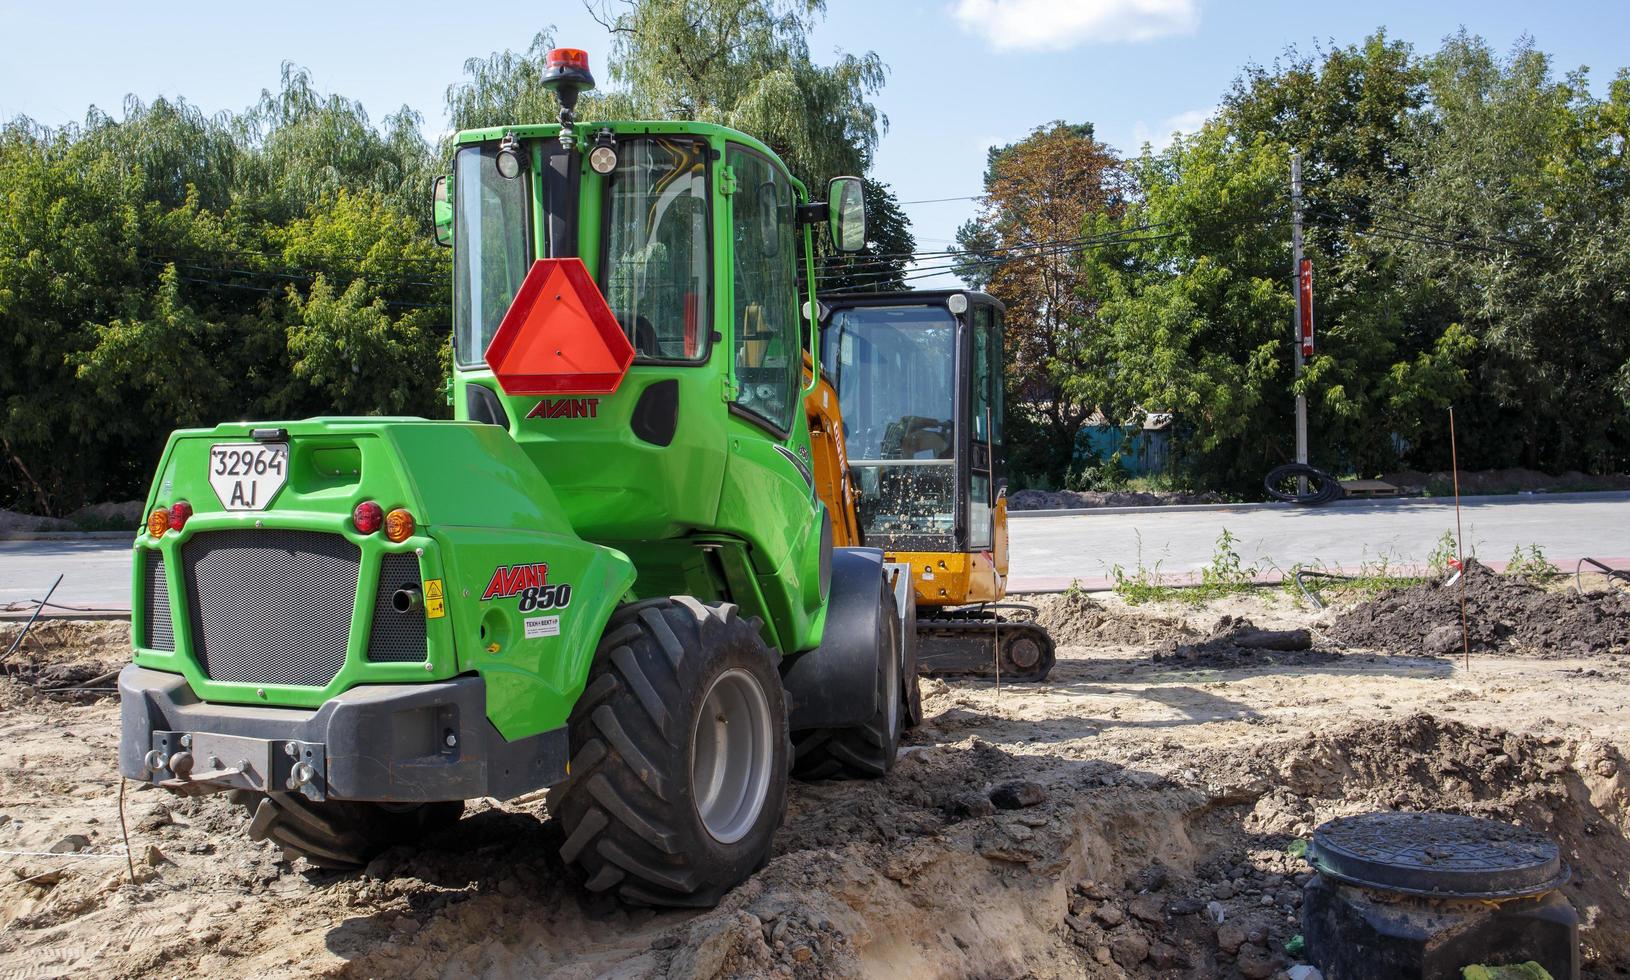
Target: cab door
x: 984, y: 415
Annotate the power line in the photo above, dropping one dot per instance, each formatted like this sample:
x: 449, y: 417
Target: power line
x: 942, y: 200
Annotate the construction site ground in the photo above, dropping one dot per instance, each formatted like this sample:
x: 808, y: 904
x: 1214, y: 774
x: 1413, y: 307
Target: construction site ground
x: 1137, y: 815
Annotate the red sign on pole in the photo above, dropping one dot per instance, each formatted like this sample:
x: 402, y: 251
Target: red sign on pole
x: 1305, y: 284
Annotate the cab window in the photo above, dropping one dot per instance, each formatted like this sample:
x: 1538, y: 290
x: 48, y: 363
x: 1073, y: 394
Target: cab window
x: 491, y: 248
x: 762, y: 224
x: 656, y: 269
x: 982, y: 404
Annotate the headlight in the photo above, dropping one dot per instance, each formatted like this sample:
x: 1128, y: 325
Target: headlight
x: 509, y: 158
x: 603, y: 159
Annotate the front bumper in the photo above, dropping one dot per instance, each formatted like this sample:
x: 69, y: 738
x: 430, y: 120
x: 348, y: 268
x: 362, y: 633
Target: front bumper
x: 405, y: 743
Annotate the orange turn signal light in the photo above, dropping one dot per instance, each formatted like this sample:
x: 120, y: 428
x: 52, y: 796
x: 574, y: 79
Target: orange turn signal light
x: 158, y: 522
x: 398, y: 525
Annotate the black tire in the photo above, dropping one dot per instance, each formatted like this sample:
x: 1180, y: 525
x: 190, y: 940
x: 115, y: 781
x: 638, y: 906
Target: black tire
x: 913, y: 689
x: 867, y: 750
x: 341, y: 834
x: 629, y: 809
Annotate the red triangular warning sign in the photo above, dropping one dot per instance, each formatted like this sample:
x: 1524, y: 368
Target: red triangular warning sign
x: 559, y: 336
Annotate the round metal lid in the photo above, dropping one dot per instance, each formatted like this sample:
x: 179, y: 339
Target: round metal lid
x: 1441, y: 854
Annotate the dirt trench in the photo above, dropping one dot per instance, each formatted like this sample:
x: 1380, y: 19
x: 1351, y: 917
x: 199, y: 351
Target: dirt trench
x: 1165, y: 799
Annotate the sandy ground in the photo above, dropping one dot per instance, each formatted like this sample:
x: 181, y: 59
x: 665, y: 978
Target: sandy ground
x: 1172, y: 793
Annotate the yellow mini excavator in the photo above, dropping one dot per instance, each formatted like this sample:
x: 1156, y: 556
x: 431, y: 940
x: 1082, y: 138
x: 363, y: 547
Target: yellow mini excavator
x: 909, y: 460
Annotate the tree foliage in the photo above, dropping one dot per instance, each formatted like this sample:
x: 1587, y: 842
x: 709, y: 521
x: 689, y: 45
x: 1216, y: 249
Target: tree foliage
x: 1466, y: 221
x: 168, y: 268
x: 1041, y: 194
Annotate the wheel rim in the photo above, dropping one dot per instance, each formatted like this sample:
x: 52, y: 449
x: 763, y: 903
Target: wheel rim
x: 1025, y: 653
x: 731, y: 751
x: 891, y: 689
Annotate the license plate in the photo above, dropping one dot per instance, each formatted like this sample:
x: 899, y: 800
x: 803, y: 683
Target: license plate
x: 247, y: 475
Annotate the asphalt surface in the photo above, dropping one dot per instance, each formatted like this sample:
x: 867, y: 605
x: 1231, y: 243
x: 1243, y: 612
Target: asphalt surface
x: 1049, y: 552
x: 1052, y: 551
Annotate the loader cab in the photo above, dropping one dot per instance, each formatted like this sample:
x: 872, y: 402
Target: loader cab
x: 664, y: 408
x: 919, y: 380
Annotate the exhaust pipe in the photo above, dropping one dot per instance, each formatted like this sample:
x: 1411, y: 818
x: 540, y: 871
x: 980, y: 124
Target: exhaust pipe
x: 406, y: 600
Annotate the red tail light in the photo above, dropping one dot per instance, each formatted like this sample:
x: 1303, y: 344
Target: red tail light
x: 179, y: 512
x: 368, y: 517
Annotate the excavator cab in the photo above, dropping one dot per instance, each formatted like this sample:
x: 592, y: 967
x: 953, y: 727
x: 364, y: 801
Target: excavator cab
x: 918, y: 377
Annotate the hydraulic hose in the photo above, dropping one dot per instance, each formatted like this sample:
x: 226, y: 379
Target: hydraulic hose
x: 1324, y: 489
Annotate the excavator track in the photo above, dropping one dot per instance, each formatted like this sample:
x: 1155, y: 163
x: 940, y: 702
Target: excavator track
x: 965, y: 643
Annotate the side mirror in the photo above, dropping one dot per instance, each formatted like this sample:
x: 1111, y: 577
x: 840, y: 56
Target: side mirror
x: 846, y: 213
x: 441, y: 207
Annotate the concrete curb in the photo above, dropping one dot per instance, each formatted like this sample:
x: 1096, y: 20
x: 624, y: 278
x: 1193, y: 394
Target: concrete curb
x: 1361, y: 503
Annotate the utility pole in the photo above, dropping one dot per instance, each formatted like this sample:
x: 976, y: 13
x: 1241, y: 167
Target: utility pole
x: 1301, y: 314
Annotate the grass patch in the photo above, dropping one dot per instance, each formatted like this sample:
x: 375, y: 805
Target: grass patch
x: 1225, y: 575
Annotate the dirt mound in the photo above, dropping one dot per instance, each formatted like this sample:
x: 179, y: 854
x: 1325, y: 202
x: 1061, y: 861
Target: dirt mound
x: 1504, y: 481
x: 1237, y: 642
x: 1072, y: 499
x: 1504, y: 614
x: 59, y: 656
x: 12, y: 522
x: 1574, y: 792
x: 1077, y: 620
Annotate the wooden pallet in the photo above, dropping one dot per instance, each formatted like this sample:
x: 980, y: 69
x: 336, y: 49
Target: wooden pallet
x: 1370, y: 488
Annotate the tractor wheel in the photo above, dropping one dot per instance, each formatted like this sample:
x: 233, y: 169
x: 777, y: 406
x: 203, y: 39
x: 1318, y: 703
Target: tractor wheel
x: 913, y: 691
x: 679, y: 756
x: 867, y: 750
x: 341, y: 834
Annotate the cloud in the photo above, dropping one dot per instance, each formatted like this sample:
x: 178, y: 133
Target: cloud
x: 1161, y: 137
x: 1054, y: 25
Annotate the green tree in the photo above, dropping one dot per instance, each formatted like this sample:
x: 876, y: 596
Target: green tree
x: 1025, y: 248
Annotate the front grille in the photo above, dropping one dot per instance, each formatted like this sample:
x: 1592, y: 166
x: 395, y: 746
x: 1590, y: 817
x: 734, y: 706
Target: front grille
x: 271, y: 607
x: 396, y: 637
x: 158, y: 633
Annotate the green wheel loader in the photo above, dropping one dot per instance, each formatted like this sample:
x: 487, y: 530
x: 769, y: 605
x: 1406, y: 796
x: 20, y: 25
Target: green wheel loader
x: 609, y: 576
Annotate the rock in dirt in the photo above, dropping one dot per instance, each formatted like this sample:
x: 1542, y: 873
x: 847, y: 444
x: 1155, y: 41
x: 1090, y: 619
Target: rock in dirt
x: 1230, y: 936
x: 1128, y: 947
x: 1018, y: 794
x: 1167, y: 958
x: 153, y: 857
x: 1504, y: 615
x: 71, y: 844
x: 975, y: 805
x: 1109, y: 914
x: 1303, y: 971
x: 1255, y: 962
x: 157, y: 819
x: 1149, y: 908
x: 1442, y: 641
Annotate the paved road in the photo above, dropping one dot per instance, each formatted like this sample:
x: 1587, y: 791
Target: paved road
x: 1049, y: 552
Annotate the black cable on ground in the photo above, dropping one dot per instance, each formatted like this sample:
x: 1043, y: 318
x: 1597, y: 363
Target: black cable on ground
x: 1323, y: 489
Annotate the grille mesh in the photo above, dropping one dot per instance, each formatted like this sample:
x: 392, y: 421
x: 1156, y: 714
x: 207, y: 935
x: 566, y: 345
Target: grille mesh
x: 396, y: 637
x: 160, y: 634
x: 271, y: 607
